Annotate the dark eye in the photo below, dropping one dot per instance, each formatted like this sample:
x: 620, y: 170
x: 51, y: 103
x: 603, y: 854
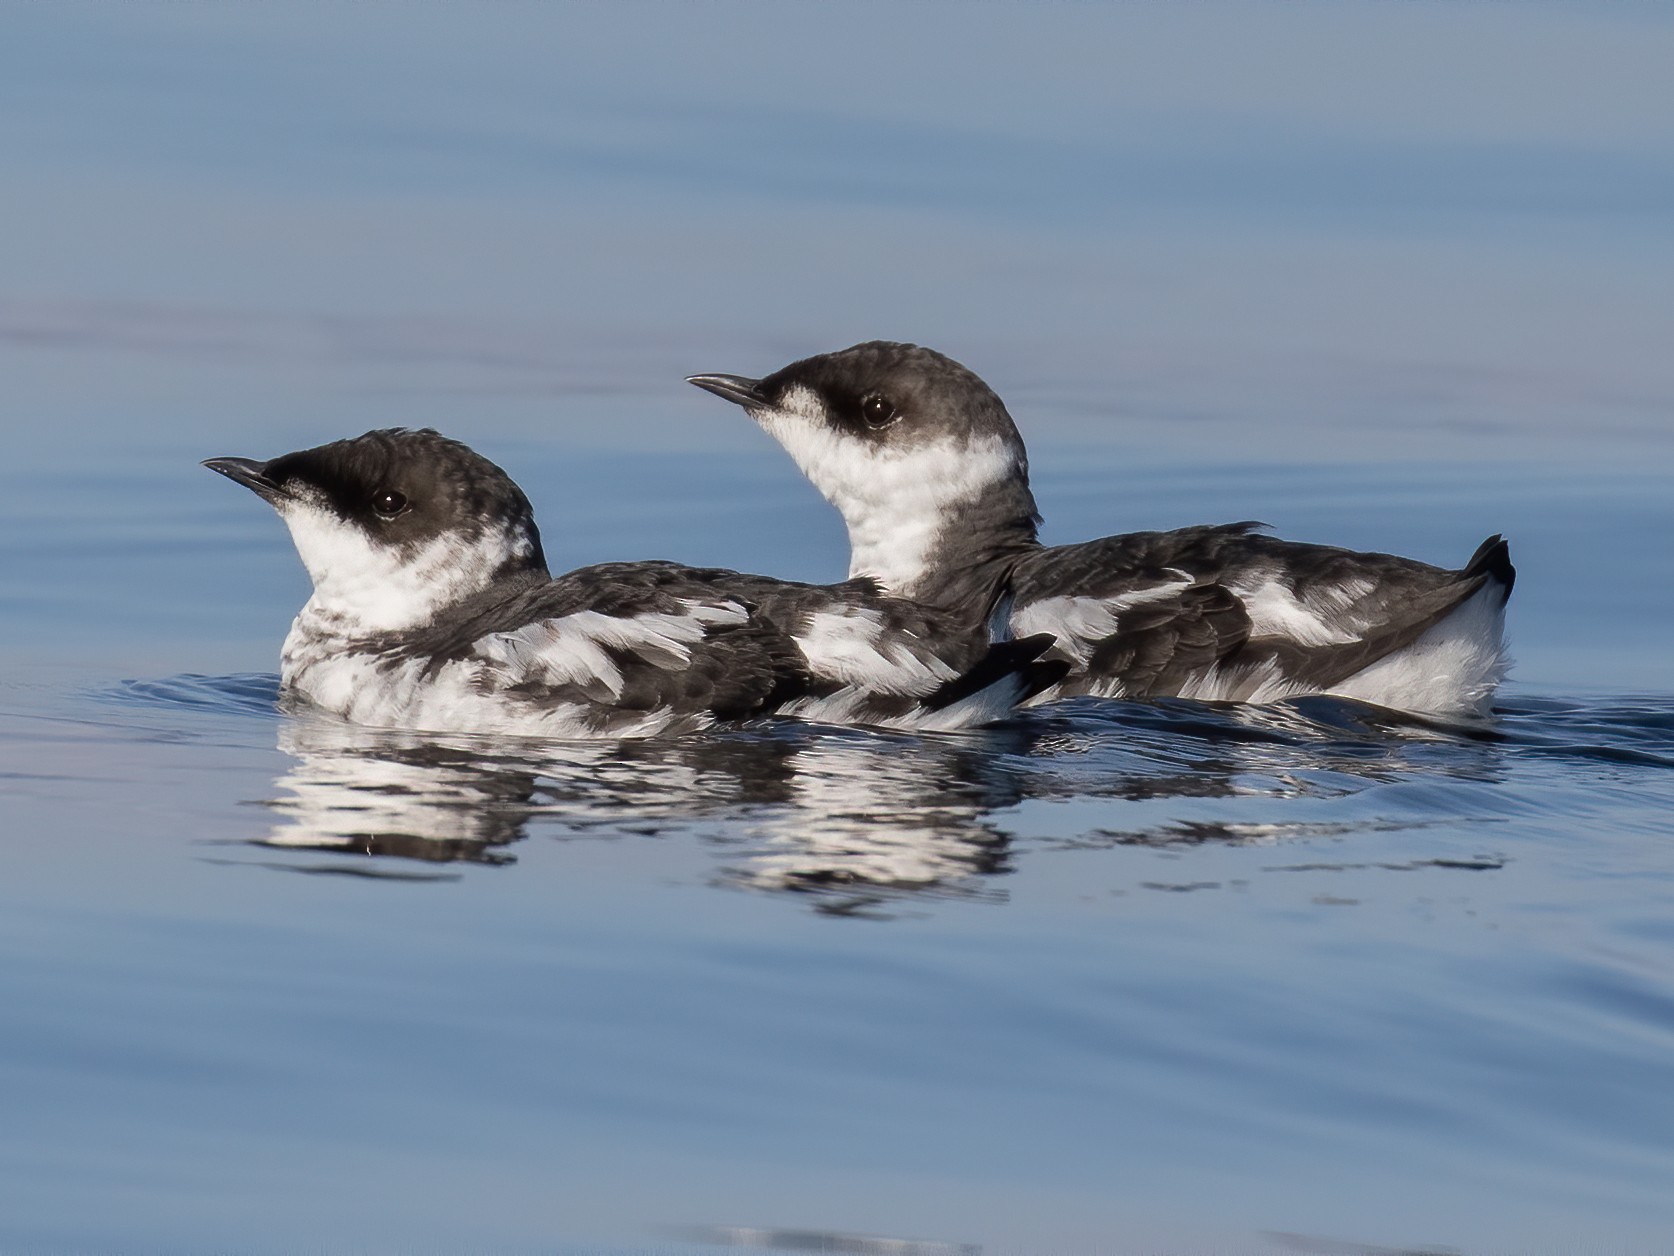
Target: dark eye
x: 877, y: 411
x: 389, y: 503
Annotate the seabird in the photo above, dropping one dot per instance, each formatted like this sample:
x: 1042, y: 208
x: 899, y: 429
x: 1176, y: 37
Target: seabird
x: 929, y: 473
x: 433, y: 609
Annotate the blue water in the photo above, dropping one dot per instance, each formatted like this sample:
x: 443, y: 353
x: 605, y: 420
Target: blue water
x: 1113, y: 977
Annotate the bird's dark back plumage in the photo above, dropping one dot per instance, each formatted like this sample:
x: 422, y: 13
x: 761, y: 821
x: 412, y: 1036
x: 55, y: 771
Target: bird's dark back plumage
x: 433, y: 608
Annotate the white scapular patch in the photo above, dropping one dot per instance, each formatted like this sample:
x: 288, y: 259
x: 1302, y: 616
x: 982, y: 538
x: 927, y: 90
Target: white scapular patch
x: 363, y: 586
x: 913, y: 674
x: 572, y: 649
x: 1080, y: 623
x: 1276, y: 611
x: 853, y: 647
x: 893, y: 500
x: 1453, y: 669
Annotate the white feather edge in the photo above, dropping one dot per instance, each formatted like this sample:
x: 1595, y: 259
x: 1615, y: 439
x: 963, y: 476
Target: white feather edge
x: 851, y: 647
x: 1453, y: 669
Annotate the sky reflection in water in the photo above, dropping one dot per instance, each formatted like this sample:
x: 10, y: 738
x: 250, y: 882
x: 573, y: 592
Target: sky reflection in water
x: 1169, y: 976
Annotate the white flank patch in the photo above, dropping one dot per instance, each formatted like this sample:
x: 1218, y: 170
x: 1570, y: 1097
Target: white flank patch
x: 985, y: 706
x: 1453, y: 669
x: 852, y: 706
x: 852, y: 647
x: 460, y: 697
x: 1261, y: 684
x: 468, y: 695
x: 893, y: 500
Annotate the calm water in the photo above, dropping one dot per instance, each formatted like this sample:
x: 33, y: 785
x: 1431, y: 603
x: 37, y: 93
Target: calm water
x: 1111, y: 978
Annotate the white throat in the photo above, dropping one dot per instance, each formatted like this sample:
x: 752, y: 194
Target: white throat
x: 896, y: 502
x: 363, y: 587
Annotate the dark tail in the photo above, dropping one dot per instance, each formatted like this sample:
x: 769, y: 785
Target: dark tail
x: 1493, y: 560
x: 1005, y: 658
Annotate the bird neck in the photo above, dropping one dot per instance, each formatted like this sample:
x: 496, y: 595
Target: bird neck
x: 954, y: 556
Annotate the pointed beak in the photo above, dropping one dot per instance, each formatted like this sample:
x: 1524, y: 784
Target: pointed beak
x: 735, y: 388
x: 248, y: 472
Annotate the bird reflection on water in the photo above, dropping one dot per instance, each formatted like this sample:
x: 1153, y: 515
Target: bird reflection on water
x: 859, y: 821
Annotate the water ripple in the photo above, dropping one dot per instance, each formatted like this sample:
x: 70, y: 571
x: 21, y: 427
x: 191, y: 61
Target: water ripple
x: 243, y: 693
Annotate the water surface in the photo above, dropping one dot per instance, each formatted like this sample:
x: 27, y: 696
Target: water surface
x: 1110, y: 977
